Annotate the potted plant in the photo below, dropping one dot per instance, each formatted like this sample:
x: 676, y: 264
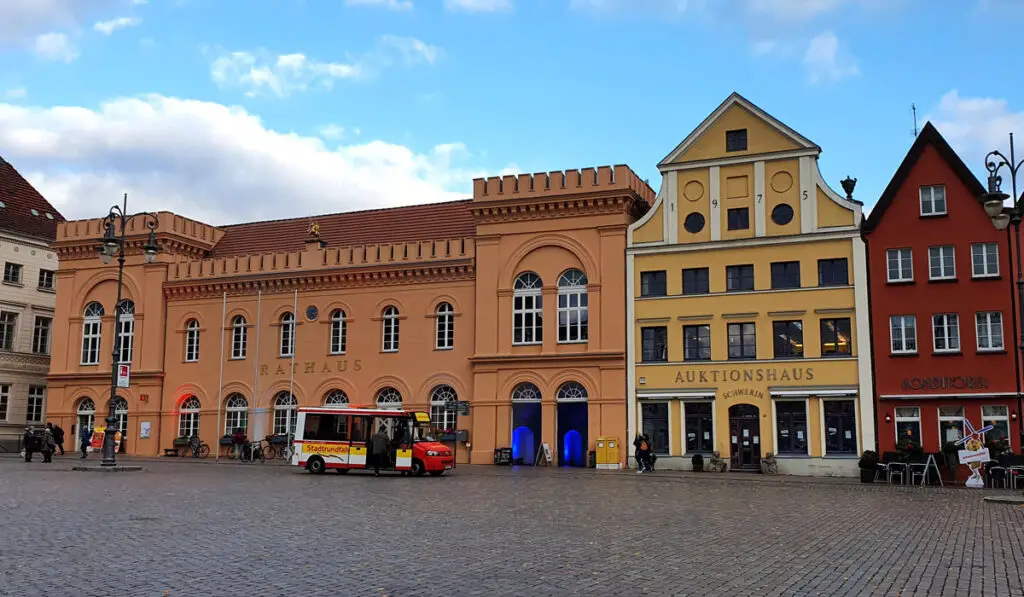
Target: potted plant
x: 909, y: 450
x: 181, y: 441
x: 868, y: 466
x: 698, y: 463
x: 997, y: 448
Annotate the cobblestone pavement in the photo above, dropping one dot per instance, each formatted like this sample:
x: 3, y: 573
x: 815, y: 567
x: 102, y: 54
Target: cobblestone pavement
x: 197, y: 530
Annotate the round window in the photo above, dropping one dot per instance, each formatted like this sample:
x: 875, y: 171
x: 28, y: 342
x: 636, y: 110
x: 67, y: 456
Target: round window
x: 694, y: 223
x: 782, y: 214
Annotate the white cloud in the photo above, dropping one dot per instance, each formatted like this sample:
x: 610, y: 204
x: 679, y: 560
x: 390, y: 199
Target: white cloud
x: 55, y: 46
x: 824, y: 61
x: 793, y: 10
x: 22, y: 20
x: 332, y: 131
x: 213, y: 162
x: 108, y: 27
x: 412, y: 49
x: 15, y: 93
x: 388, y: 4
x: 478, y: 5
x: 975, y: 126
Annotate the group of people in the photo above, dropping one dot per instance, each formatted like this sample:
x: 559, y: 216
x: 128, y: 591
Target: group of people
x: 643, y: 453
x: 46, y: 443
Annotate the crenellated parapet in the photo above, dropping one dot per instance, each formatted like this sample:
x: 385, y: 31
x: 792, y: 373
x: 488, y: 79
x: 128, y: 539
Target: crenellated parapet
x: 176, y: 235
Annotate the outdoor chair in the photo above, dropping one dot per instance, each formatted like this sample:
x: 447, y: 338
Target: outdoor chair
x: 995, y: 473
x: 897, y: 470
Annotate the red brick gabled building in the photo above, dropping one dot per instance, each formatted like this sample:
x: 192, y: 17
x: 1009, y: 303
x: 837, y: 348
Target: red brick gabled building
x: 942, y: 306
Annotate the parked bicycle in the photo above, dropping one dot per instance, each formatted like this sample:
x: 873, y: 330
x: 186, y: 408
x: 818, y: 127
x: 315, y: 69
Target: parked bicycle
x: 195, y: 448
x: 252, y: 452
x: 280, y: 448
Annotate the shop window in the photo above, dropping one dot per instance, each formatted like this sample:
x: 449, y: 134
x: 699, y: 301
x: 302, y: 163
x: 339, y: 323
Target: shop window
x: 785, y: 274
x: 573, y: 316
x: 835, y: 337
x: 653, y: 284
x: 840, y: 426
x: 527, y: 309
x: 788, y: 337
x: 999, y: 419
x: 742, y: 341
x: 933, y: 200
x: 739, y: 278
x: 989, y: 325
x: 833, y: 272
x: 654, y: 344
x: 696, y: 281
x: 946, y: 332
x: 791, y: 426
x: 697, y: 342
x: 655, y: 416
x: 903, y: 334
x: 941, y: 263
x: 985, y: 260
x: 738, y: 218
x: 908, y: 426
x: 900, y: 264
x: 951, y: 424
x: 700, y: 433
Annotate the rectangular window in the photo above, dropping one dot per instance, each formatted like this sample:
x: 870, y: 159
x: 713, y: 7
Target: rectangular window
x: 5, y: 391
x: 696, y: 281
x: 36, y: 395
x: 736, y: 140
x: 654, y: 343
x: 46, y: 279
x: 653, y: 284
x: 738, y: 218
x: 933, y: 200
x: 742, y: 341
x: 998, y: 418
x: 835, y: 337
x: 655, y: 415
x: 785, y: 274
x: 985, y: 260
x: 697, y: 342
x: 990, y: 330
x: 903, y: 334
x: 900, y: 265
x: 941, y: 263
x: 700, y: 433
x: 908, y: 426
x: 126, y: 338
x: 8, y: 324
x: 528, y: 318
x: 951, y: 424
x: 12, y: 273
x: 192, y: 344
x: 840, y: 426
x: 791, y: 426
x: 788, y: 337
x: 41, y: 335
x: 833, y: 272
x: 739, y: 278
x: 91, y: 341
x: 946, y: 332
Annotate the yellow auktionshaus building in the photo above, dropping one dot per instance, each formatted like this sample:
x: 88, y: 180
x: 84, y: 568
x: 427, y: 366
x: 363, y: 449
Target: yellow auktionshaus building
x: 749, y: 306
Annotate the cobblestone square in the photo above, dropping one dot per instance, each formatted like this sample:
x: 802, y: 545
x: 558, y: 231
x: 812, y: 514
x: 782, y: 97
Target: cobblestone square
x: 207, y: 529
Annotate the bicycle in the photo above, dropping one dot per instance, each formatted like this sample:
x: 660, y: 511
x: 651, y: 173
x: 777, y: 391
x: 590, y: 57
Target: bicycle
x: 769, y: 466
x: 283, y: 450
x: 252, y: 451
x: 197, y: 448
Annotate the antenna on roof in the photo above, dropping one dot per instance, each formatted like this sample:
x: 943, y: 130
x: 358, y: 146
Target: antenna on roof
x: 913, y: 108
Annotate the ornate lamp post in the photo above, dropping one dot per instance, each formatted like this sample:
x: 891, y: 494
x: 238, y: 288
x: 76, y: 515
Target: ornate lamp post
x: 115, y: 227
x: 1002, y: 217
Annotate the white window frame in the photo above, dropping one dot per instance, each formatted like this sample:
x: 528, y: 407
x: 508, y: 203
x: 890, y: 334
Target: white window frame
x: 946, y: 335
x: 902, y: 320
x: 236, y: 413
x: 444, y: 327
x: 941, y: 249
x: 983, y: 320
x: 902, y: 276
x: 239, y: 337
x: 339, y: 332
x: 8, y: 330
x: 188, y: 417
x: 92, y: 334
x: 286, y: 413
x: 49, y: 277
x: 528, y: 302
x: 86, y: 408
x: 929, y: 190
x: 1003, y: 418
x: 389, y: 329
x: 913, y: 419
x: 16, y: 270
x: 335, y: 397
x: 192, y: 341
x: 125, y: 331
x: 5, y: 402
x: 572, y: 284
x: 37, y: 395
x: 984, y: 261
x: 440, y: 416
x: 121, y: 414
x: 950, y: 419
x: 389, y: 398
x: 287, y: 322
x: 42, y: 330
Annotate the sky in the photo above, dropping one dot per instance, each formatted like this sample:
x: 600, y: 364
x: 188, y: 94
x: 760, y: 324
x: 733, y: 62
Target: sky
x: 230, y: 110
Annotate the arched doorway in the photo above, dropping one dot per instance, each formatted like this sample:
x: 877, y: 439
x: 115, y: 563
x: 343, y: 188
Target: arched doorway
x: 572, y: 424
x: 121, y: 424
x: 526, y: 420
x: 86, y: 418
x: 745, y: 437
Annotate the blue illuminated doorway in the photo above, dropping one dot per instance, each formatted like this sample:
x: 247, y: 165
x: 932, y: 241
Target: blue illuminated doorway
x: 572, y: 434
x: 526, y: 421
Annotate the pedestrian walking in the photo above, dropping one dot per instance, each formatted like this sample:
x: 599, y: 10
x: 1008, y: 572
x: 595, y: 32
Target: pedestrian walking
x: 84, y: 437
x: 378, y: 450
x: 651, y: 456
x: 58, y: 436
x: 29, y: 441
x: 642, y: 451
x: 48, y: 444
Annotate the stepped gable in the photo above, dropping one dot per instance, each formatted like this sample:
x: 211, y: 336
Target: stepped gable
x: 19, y: 199
x: 451, y: 219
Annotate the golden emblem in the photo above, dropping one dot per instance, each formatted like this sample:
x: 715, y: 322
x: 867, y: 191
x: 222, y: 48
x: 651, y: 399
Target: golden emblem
x: 314, y: 230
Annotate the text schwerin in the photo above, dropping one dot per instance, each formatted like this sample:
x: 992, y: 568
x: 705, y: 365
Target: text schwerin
x: 769, y: 374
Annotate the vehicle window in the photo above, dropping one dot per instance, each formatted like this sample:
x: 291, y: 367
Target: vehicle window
x: 341, y: 428
x: 312, y: 429
x: 358, y: 432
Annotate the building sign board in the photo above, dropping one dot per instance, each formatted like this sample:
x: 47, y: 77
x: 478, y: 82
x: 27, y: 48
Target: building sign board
x: 748, y: 374
x: 948, y: 382
x: 123, y: 375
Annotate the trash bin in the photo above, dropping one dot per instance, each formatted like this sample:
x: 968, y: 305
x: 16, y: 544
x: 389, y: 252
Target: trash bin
x: 608, y: 453
x: 592, y: 459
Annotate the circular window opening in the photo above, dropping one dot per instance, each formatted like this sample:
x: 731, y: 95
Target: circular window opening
x: 694, y: 223
x: 782, y: 214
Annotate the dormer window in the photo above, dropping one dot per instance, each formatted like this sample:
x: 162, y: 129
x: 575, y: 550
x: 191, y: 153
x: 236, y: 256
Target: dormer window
x: 933, y: 200
x: 49, y: 216
x: 35, y: 212
x: 2, y: 204
x: 736, y: 140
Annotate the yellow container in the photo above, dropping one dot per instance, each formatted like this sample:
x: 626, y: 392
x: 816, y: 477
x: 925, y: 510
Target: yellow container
x: 608, y: 453
x: 602, y: 451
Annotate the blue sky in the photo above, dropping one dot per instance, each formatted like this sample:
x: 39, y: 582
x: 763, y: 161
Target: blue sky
x: 292, y: 107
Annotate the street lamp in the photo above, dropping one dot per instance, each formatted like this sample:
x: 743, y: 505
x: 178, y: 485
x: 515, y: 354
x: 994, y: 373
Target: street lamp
x: 1002, y: 216
x: 113, y: 244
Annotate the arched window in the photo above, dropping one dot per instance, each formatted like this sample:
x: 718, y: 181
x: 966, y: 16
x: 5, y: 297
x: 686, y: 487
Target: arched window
x: 389, y: 398
x: 236, y: 414
x: 121, y: 414
x: 336, y: 397
x: 440, y: 416
x: 188, y: 417
x: 191, y: 341
x: 239, y: 337
x: 572, y: 391
x: 339, y: 331
x: 526, y: 392
x: 285, y: 407
x: 92, y: 327
x: 572, y: 306
x: 390, y: 329
x: 288, y: 334
x: 527, y: 310
x: 86, y: 413
x: 125, y: 330
x: 445, y: 327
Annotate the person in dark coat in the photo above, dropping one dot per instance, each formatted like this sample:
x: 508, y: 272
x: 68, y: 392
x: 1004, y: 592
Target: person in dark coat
x: 58, y: 436
x: 85, y: 436
x: 378, y: 450
x: 29, y: 440
x: 47, y: 445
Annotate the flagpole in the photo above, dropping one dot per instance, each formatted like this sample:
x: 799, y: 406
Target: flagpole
x: 295, y: 332
x: 220, y: 387
x: 251, y: 423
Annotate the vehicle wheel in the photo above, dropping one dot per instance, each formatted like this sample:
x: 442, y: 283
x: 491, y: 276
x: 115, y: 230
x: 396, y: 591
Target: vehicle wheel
x: 204, y: 451
x: 316, y: 465
x: 417, y: 468
x: 436, y: 473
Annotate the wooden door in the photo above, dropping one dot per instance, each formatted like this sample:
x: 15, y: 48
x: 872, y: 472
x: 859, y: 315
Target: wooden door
x: 745, y: 438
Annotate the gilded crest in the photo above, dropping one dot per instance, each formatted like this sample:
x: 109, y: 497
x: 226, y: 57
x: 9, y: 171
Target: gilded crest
x: 314, y: 230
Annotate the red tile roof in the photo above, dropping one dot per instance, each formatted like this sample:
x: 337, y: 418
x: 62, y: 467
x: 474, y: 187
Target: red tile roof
x: 451, y: 219
x: 19, y: 199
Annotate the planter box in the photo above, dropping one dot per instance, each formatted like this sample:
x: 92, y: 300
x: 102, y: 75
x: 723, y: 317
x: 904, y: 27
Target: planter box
x: 278, y: 439
x: 226, y: 441
x: 181, y: 442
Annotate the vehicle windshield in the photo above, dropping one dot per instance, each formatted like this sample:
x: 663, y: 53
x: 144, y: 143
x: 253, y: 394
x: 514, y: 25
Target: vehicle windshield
x: 423, y: 433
